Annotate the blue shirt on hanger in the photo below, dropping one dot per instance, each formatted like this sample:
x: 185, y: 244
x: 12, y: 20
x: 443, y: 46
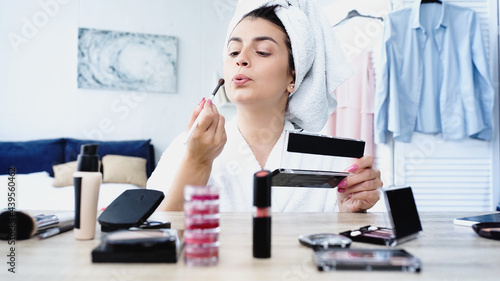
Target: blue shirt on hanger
x: 433, y: 75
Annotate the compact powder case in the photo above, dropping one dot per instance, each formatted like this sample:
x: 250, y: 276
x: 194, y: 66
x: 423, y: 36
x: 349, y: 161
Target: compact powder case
x: 489, y: 230
x: 325, y: 241
x: 404, y: 218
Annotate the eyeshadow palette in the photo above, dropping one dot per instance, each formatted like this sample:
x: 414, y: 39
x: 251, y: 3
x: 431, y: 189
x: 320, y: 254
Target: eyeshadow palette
x: 372, y: 234
x: 404, y: 219
x: 366, y: 259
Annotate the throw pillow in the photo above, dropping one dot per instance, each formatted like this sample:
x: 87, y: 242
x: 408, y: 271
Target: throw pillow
x: 124, y: 169
x: 63, y: 174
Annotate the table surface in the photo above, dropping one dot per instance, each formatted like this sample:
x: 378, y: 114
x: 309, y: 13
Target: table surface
x: 447, y: 252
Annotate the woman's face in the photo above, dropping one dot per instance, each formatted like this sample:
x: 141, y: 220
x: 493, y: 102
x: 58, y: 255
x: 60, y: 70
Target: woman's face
x: 256, y: 67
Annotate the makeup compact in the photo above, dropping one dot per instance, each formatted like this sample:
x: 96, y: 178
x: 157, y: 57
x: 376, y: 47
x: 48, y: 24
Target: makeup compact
x: 304, y: 155
x: 366, y: 259
x: 490, y: 230
x: 132, y: 209
x: 404, y: 218
x: 138, y: 246
x: 324, y: 241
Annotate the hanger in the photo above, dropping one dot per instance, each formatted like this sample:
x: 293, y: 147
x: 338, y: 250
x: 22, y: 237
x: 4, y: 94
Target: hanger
x: 355, y: 13
x: 430, y: 1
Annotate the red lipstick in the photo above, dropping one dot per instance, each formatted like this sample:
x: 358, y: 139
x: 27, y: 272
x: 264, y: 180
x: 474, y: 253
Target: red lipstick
x: 262, y: 215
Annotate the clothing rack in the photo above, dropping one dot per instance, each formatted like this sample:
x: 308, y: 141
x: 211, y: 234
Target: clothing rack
x: 430, y: 1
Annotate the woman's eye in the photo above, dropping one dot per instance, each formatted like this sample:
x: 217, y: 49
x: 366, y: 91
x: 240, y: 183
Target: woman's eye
x: 233, y: 54
x: 264, y: 54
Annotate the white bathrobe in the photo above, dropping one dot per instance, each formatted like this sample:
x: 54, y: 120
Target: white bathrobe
x: 233, y: 171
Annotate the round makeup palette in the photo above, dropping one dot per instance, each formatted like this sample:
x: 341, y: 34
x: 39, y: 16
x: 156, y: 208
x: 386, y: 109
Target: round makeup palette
x: 489, y: 230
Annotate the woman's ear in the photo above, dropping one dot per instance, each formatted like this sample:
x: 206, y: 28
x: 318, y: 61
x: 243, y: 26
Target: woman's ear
x: 291, y: 85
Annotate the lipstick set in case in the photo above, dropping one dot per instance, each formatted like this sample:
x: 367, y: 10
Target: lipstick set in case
x: 201, y: 222
x: 201, y: 219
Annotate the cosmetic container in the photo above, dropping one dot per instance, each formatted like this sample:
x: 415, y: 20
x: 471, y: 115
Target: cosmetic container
x: 201, y: 254
x: 201, y: 223
x: 87, y: 181
x: 262, y: 215
x: 201, y: 236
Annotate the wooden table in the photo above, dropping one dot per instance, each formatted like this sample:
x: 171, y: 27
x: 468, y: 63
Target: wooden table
x: 447, y: 252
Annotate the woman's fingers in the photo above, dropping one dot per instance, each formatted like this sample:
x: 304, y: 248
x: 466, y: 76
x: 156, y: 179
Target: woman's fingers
x: 360, y: 163
x: 220, y: 131
x: 210, y: 129
x: 220, y: 136
x: 366, y: 179
x: 371, y: 197
x: 361, y: 201
x: 208, y: 120
x: 359, y: 190
x: 196, y: 111
x: 209, y: 136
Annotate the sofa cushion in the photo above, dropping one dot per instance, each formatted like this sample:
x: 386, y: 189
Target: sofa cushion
x: 31, y: 156
x: 63, y: 174
x: 124, y: 169
x: 137, y: 148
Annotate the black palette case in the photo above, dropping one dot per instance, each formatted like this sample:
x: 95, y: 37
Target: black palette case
x: 366, y: 259
x: 131, y: 209
x: 404, y: 218
x: 138, y: 246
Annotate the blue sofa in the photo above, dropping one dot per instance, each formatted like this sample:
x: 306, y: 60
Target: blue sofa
x: 41, y: 155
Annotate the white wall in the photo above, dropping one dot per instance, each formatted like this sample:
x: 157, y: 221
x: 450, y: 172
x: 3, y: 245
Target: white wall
x: 39, y: 97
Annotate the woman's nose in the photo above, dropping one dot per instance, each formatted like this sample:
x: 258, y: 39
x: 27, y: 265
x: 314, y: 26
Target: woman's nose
x: 241, y: 63
x: 242, y: 59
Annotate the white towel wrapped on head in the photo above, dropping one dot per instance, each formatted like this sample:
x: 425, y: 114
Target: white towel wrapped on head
x: 320, y: 64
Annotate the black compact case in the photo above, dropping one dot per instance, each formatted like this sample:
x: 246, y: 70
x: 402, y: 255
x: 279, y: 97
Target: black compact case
x: 318, y: 147
x: 131, y: 209
x: 490, y: 230
x: 404, y: 219
x: 366, y: 259
x: 142, y: 246
x: 300, y: 142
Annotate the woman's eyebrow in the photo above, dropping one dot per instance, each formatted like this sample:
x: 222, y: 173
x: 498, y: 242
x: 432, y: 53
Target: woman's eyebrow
x: 264, y: 38
x: 259, y: 38
x: 235, y: 39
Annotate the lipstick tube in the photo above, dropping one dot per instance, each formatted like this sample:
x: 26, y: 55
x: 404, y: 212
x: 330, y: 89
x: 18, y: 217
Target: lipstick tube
x: 262, y: 214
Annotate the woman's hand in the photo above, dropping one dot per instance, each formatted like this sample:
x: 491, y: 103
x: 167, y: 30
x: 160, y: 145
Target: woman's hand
x: 204, y: 145
x: 358, y: 192
x: 209, y: 137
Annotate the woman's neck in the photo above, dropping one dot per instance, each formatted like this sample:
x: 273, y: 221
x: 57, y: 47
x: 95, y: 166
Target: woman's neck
x: 261, y: 130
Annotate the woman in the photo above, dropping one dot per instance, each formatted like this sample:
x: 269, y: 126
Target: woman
x: 260, y: 75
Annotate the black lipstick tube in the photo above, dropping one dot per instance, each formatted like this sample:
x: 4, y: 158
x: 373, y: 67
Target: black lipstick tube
x: 262, y: 214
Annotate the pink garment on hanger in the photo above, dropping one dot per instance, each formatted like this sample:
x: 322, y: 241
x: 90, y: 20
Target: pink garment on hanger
x: 353, y: 117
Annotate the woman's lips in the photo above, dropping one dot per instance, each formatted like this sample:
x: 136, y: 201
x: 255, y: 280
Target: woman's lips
x: 240, y: 79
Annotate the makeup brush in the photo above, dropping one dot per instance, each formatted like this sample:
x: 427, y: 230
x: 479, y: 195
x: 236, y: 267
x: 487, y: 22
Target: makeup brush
x: 26, y: 225
x: 191, y: 130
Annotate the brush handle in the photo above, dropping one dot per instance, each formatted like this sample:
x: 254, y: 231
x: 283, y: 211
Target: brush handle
x: 191, y: 130
x: 197, y: 120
